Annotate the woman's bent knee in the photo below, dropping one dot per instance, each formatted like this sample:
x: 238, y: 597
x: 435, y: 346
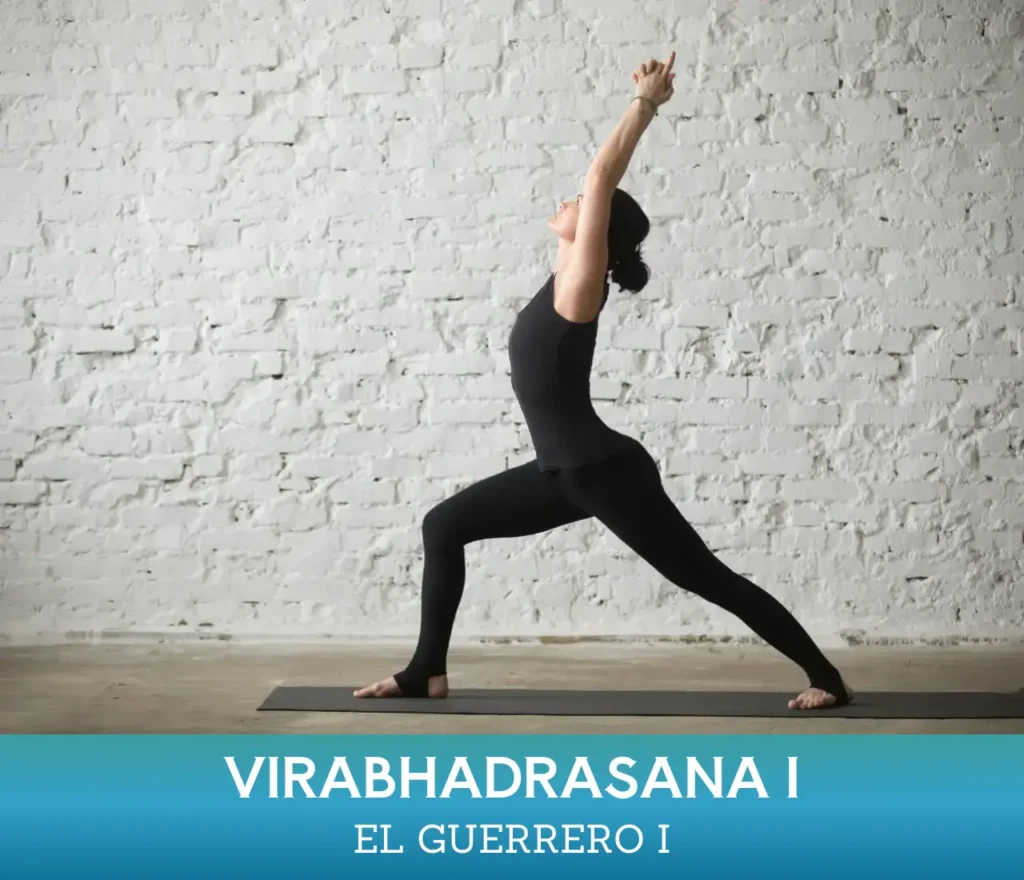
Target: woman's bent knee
x: 440, y: 525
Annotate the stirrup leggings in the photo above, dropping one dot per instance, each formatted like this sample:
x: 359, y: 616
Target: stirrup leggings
x: 625, y: 493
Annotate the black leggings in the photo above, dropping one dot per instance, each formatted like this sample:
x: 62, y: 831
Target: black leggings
x: 625, y: 493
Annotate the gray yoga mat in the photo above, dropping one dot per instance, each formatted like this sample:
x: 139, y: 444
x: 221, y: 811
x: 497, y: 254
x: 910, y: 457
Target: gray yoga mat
x: 713, y: 704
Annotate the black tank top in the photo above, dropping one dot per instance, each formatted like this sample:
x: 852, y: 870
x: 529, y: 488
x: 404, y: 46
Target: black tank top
x: 551, y: 359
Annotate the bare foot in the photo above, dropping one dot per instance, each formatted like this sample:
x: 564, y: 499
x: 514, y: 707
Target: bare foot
x: 816, y: 698
x: 437, y: 688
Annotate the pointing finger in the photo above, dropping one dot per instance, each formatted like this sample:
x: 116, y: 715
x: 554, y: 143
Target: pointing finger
x: 671, y: 61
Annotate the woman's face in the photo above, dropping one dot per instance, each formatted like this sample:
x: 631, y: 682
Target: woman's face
x: 563, y: 221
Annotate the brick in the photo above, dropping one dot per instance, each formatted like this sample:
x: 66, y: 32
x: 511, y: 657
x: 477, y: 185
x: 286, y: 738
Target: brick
x: 782, y: 181
x: 167, y: 468
x: 927, y: 81
x: 21, y: 492
x: 420, y: 56
x: 796, y: 81
x: 19, y: 234
x: 367, y: 82
x: 61, y: 468
x: 246, y: 56
x: 17, y: 340
x: 96, y: 341
x: 15, y: 368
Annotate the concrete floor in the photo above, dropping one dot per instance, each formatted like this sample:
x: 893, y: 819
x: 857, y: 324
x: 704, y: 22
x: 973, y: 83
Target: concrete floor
x: 215, y: 687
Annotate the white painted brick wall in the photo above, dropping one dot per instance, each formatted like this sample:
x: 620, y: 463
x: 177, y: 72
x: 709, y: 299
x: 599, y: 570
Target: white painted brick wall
x: 258, y: 268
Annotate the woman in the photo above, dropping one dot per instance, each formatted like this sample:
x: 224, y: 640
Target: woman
x: 583, y: 468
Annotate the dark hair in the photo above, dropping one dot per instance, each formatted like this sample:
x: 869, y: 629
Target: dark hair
x: 627, y: 229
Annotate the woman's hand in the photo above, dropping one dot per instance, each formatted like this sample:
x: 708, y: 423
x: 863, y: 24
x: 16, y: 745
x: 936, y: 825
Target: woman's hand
x: 654, y: 80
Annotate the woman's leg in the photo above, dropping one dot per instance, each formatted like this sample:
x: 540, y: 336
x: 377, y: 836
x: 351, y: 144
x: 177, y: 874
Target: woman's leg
x: 514, y: 503
x: 626, y: 494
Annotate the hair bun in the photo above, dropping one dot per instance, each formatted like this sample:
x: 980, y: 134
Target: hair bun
x: 631, y: 273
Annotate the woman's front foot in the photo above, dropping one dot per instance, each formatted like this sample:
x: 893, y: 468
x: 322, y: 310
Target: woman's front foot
x: 817, y: 698
x: 437, y: 688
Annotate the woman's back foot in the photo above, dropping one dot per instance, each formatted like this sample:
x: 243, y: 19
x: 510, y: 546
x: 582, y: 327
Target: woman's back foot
x: 435, y: 688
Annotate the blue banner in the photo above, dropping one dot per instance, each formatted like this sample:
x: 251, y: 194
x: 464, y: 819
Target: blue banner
x: 145, y: 807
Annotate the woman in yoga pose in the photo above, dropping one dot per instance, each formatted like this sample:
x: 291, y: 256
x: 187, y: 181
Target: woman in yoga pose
x: 583, y: 468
